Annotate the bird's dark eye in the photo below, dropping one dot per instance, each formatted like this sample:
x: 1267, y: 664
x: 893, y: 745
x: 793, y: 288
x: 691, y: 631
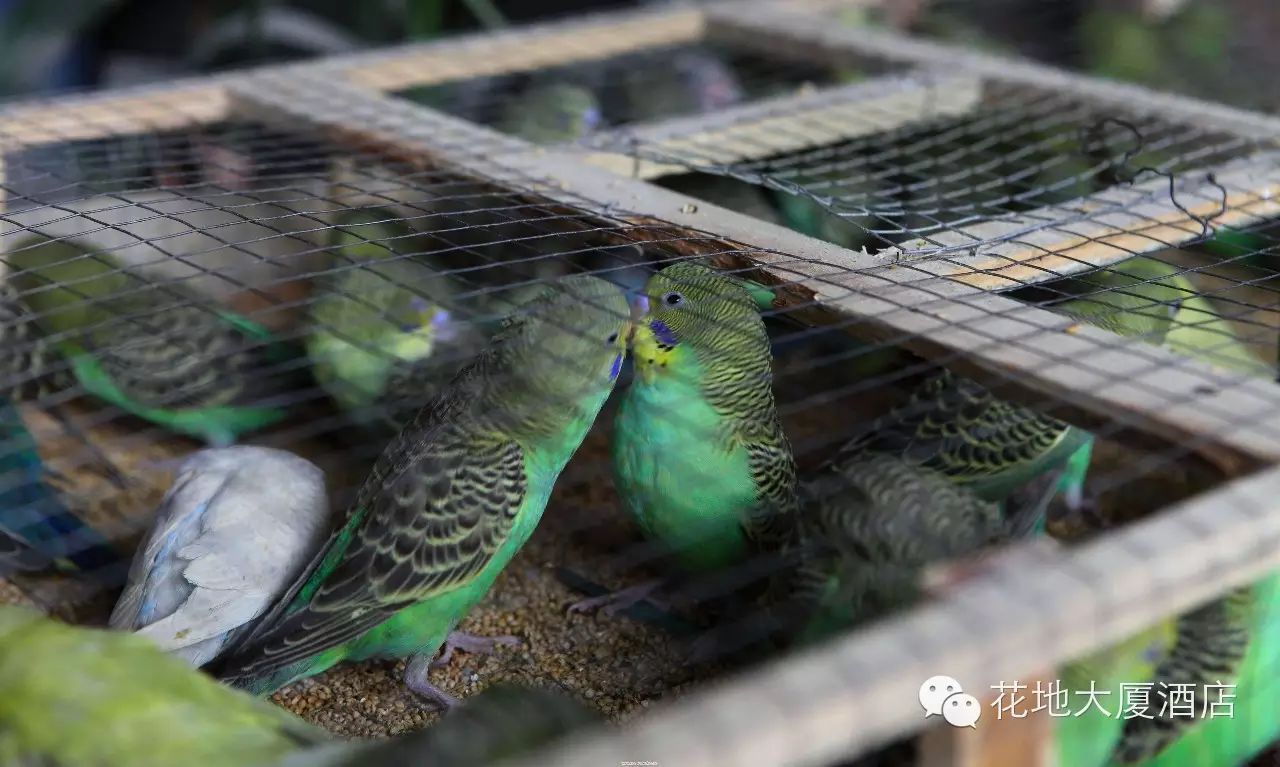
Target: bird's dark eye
x: 612, y: 339
x: 672, y: 298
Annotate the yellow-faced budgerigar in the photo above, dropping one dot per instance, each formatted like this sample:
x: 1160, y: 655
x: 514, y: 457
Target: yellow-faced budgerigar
x: 502, y: 722
x: 451, y: 499
x: 235, y: 530
x: 154, y: 350
x: 699, y: 456
x: 79, y: 697
x: 385, y: 335
x: 552, y: 112
x: 1153, y: 300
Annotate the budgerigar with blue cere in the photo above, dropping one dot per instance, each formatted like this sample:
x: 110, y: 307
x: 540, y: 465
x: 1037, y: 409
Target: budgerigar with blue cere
x: 700, y: 459
x: 451, y: 500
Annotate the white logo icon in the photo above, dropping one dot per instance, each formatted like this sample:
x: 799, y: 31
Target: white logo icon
x: 934, y: 691
x: 961, y: 710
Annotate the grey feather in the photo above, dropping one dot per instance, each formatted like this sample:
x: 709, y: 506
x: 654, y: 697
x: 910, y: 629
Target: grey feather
x: 230, y: 536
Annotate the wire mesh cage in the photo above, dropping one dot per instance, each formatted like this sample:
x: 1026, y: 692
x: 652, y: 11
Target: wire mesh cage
x: 947, y: 375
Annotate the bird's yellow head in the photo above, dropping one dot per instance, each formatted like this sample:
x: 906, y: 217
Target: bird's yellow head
x: 692, y: 312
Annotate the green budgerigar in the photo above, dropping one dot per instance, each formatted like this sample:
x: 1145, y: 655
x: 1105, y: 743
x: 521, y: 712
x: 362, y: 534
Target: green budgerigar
x: 79, y: 697
x: 1229, y: 645
x: 869, y: 525
x: 384, y: 335
x: 700, y: 459
x: 155, y: 351
x: 451, y: 500
x: 1151, y: 299
x: 552, y: 112
x: 997, y: 449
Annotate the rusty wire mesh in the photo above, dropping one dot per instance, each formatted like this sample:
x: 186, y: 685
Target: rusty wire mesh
x: 1111, y: 270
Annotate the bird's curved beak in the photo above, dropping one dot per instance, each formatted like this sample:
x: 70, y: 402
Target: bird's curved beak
x: 639, y: 308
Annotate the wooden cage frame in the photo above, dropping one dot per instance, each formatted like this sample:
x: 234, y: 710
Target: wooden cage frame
x: 945, y: 307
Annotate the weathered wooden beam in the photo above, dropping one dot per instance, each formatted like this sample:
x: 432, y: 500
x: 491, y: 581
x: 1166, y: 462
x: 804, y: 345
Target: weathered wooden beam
x: 810, y: 118
x: 1100, y: 229
x: 1031, y: 612
x: 193, y: 103
x: 524, y: 48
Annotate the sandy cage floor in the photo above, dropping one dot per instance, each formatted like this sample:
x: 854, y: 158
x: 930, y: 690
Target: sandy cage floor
x: 619, y: 665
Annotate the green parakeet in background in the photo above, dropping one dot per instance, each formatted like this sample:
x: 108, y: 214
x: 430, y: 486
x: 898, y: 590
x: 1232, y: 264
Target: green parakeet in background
x: 153, y: 351
x: 1153, y: 300
x: 869, y: 524
x: 700, y: 459
x: 385, y: 334
x: 502, y: 722
x: 552, y: 112
x: 1232, y: 640
x: 994, y: 448
x: 78, y: 697
x: 451, y: 499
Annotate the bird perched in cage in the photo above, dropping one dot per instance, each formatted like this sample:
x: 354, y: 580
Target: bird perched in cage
x: 552, y: 112
x: 1228, y: 645
x: 998, y: 450
x: 38, y: 527
x: 869, y: 525
x: 700, y: 459
x: 234, y: 531
x: 79, y: 697
x: 500, y: 723
x: 384, y: 334
x: 450, y: 501
x: 1148, y: 298
x: 153, y: 349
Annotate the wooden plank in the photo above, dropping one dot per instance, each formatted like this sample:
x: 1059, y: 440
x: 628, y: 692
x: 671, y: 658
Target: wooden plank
x: 790, y: 123
x: 994, y: 740
x: 1026, y: 352
x: 73, y: 119
x: 1102, y: 228
x: 822, y: 37
x: 822, y: 705
x: 534, y: 47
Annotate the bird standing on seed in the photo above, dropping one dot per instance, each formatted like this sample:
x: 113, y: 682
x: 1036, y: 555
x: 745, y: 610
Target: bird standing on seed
x: 700, y: 459
x: 234, y: 531
x: 450, y: 501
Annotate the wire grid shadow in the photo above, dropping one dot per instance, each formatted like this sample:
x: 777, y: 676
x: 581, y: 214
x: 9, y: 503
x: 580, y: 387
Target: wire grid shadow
x: 214, y: 267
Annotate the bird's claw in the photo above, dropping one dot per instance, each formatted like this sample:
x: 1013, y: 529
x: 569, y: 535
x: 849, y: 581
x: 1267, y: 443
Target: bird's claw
x: 472, y: 643
x: 616, y: 601
x: 415, y: 678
